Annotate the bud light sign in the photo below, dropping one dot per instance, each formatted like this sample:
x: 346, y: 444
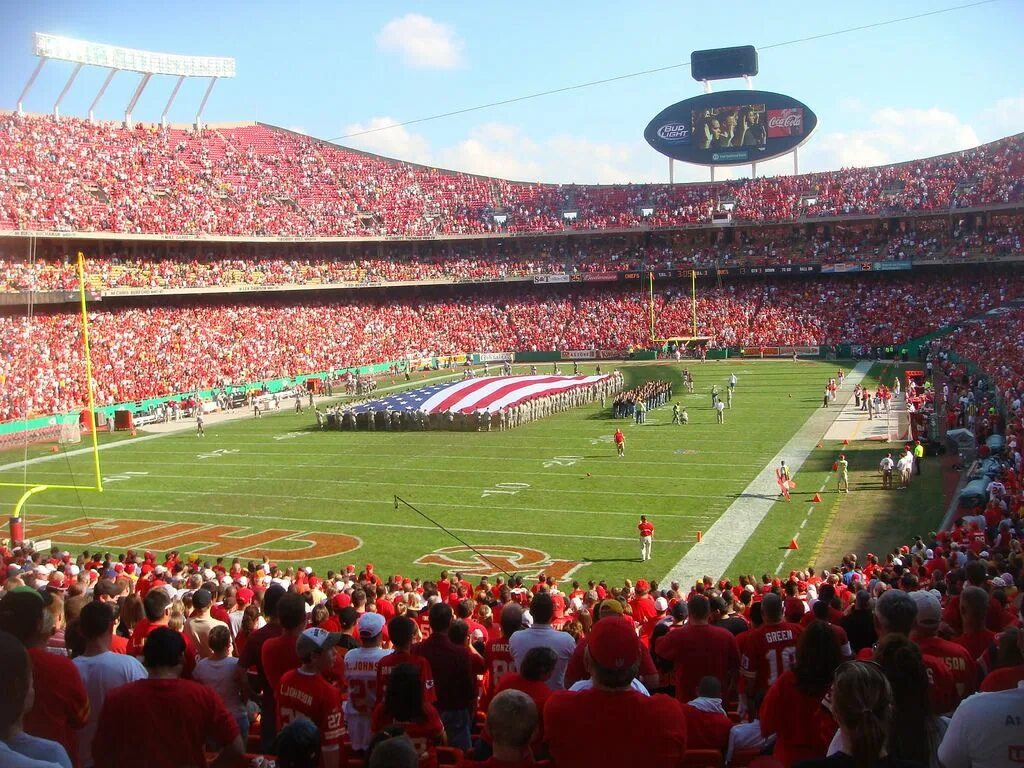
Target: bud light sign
x: 675, y: 132
x: 731, y: 128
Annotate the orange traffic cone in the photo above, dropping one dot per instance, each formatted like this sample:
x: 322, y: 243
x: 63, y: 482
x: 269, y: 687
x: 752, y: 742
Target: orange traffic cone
x: 700, y: 537
x: 846, y: 442
x: 54, y: 448
x: 793, y: 544
x: 819, y: 445
x: 133, y: 433
x: 817, y: 498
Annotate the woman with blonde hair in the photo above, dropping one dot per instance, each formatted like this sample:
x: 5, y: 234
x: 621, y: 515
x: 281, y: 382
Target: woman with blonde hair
x: 861, y: 702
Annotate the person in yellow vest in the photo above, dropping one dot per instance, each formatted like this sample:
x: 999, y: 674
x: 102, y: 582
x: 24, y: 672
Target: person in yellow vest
x: 843, y: 470
x: 918, y: 455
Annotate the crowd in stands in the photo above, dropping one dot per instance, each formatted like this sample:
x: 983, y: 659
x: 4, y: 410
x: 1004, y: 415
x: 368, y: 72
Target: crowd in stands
x: 159, y: 660
x: 152, y: 351
x: 256, y: 180
x: 128, y: 266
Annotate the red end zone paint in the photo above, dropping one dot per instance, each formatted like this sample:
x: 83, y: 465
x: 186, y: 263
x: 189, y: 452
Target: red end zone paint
x: 217, y: 540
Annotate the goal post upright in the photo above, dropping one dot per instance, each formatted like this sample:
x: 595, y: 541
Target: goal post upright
x: 17, y: 521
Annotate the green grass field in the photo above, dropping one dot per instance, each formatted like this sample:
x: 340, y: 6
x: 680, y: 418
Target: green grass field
x: 551, y: 495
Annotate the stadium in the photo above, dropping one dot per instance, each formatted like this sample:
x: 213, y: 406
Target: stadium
x: 669, y: 457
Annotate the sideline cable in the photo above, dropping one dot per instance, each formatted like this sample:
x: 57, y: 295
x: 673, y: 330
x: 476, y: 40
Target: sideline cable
x: 399, y: 499
x: 655, y: 70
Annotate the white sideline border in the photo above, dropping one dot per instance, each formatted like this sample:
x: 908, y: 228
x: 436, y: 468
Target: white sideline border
x: 726, y: 538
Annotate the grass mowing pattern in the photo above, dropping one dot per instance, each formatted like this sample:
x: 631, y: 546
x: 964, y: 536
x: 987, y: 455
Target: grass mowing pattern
x: 682, y: 477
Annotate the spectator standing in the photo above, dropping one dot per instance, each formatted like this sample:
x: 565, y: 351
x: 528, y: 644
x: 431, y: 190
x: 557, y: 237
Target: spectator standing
x: 17, y: 749
x: 768, y: 651
x: 251, y: 658
x: 305, y: 694
x: 404, y: 706
x: 163, y: 720
x: 200, y: 623
x: 361, y: 677
x: 612, y: 706
x: 221, y: 673
x: 60, y: 705
x: 100, y: 668
x: 698, y: 649
x: 543, y: 634
x: 859, y: 623
x: 279, y: 654
x: 455, y: 669
x: 956, y: 658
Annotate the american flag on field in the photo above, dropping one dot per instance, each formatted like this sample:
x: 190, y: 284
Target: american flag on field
x: 490, y: 393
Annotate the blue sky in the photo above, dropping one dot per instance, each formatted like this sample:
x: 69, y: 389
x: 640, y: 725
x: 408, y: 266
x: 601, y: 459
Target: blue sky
x: 331, y: 68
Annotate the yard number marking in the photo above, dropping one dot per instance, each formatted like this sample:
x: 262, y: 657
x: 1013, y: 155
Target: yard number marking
x: 507, y: 489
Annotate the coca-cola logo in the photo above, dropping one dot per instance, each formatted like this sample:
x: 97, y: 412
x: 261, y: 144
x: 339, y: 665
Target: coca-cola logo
x: 674, y: 132
x: 786, y: 121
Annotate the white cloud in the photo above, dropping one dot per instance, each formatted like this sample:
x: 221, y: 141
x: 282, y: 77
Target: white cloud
x: 1003, y: 118
x: 394, y: 142
x: 506, y: 151
x: 297, y: 129
x: 422, y: 42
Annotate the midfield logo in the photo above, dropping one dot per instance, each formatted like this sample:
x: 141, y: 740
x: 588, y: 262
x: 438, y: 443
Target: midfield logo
x: 500, y: 559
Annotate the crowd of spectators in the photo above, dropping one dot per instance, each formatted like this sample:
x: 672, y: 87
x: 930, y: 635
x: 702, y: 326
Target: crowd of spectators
x: 152, y: 351
x: 257, y: 180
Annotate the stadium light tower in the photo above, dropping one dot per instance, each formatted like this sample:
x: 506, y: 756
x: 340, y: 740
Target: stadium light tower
x: 82, y: 53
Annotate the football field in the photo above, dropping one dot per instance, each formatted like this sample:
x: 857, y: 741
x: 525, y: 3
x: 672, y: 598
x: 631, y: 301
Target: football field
x: 548, y: 496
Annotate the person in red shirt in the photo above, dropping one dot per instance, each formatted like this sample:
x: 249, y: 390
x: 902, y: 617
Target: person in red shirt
x: 620, y: 443
x: 646, y: 530
x: 895, y: 613
x: 957, y: 658
x: 250, y: 658
x: 538, y: 665
x: 977, y: 575
x: 305, y: 693
x: 512, y: 722
x: 402, y: 630
x: 498, y: 653
x: 768, y: 651
x: 707, y: 724
x: 792, y: 707
x: 699, y: 649
x: 157, y: 605
x: 61, y: 704
x: 278, y: 654
x: 612, y: 706
x: 975, y: 637
x: 164, y: 721
x: 405, y: 706
x: 642, y: 605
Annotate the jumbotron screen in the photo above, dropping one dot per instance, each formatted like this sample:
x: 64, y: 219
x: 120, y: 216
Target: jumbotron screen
x: 731, y: 128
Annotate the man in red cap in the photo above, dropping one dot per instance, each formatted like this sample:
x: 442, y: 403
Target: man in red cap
x: 612, y: 706
x: 642, y: 605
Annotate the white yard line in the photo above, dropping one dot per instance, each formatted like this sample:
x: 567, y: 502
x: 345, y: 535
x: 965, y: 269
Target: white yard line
x: 723, y: 540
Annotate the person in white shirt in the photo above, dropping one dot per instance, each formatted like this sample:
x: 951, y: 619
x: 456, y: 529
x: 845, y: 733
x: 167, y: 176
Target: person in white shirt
x: 542, y: 611
x: 987, y: 731
x: 221, y: 673
x: 361, y: 676
x: 100, y: 668
x: 885, y: 466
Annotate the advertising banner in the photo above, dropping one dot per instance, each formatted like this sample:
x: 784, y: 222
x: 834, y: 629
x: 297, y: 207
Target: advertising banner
x: 578, y: 354
x: 496, y: 357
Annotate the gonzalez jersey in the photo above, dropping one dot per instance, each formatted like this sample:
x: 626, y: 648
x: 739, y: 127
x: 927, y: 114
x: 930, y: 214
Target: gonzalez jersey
x: 361, y: 678
x: 498, y: 657
x: 310, y: 696
x: 769, y: 651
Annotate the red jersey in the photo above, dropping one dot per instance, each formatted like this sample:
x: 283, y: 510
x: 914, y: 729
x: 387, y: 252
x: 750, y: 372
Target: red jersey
x: 657, y: 725
x: 646, y: 529
x: 1003, y: 679
x: 619, y: 437
x: 61, y: 703
x: 309, y: 695
x: 696, y: 650
x: 957, y: 658
x: 498, y: 659
x: 138, y: 643
x: 942, y: 696
x: 802, y: 727
x: 278, y: 656
x: 643, y: 609
x: 768, y: 651
x: 976, y: 643
x: 387, y: 665
x: 160, y: 723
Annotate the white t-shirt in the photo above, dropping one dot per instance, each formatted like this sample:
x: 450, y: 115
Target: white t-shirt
x: 361, y: 678
x: 562, y: 643
x: 719, y: 406
x: 100, y: 675
x: 586, y: 685
x: 987, y: 731
x: 219, y: 674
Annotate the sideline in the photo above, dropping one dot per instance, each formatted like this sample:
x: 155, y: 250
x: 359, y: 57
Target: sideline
x: 726, y: 538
